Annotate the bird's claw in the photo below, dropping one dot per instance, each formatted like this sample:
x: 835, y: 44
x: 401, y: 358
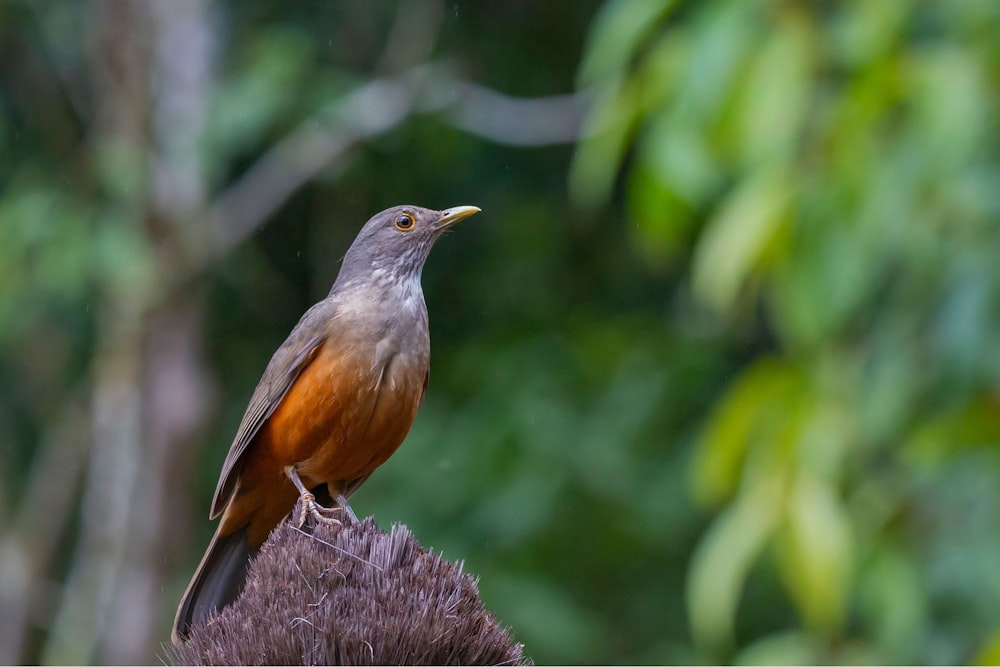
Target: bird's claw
x: 309, y: 506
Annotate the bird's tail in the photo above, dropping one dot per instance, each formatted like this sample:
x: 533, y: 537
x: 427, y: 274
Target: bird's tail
x: 217, y: 581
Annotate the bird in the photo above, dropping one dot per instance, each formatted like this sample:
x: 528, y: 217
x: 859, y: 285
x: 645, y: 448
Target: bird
x: 334, y: 402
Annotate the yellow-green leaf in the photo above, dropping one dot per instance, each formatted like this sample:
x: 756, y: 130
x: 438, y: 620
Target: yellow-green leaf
x: 738, y: 236
x: 724, y: 557
x: 618, y: 32
x: 816, y: 553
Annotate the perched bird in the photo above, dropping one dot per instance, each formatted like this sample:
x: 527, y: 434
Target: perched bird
x: 335, y: 401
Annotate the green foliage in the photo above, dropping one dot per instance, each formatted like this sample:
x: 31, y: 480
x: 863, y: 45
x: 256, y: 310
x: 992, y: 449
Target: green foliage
x: 734, y: 398
x: 825, y: 168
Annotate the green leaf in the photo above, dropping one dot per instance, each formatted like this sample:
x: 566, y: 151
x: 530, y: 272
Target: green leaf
x: 736, y: 239
x: 723, y: 559
x: 617, y: 33
x: 723, y: 36
x: 938, y: 437
x: 892, y: 599
x: 661, y: 219
x: 865, y: 31
x: 951, y: 100
x: 816, y: 553
x: 786, y: 648
x: 674, y: 151
x: 608, y: 129
x: 761, y: 415
x: 776, y: 94
x: 989, y: 653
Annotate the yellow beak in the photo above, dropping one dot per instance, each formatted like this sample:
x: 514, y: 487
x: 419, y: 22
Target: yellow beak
x: 456, y: 214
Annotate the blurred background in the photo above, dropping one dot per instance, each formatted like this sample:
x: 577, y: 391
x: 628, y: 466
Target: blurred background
x: 716, y: 373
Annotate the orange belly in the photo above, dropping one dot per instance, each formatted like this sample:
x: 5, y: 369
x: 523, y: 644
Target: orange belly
x: 346, y: 413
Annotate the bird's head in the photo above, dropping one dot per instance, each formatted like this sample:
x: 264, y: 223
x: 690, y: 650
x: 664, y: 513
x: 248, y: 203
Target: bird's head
x: 394, y: 244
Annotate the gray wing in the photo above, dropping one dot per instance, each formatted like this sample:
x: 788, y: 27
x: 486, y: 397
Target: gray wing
x: 285, y: 366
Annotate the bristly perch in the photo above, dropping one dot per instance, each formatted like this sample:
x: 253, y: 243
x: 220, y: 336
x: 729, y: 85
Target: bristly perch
x: 328, y: 595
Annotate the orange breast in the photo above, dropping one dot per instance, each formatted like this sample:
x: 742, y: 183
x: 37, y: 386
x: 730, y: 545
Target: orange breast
x: 346, y: 413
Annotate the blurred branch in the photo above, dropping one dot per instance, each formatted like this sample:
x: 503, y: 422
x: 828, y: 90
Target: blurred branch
x: 173, y: 383
x: 115, y: 454
x: 374, y: 109
x: 514, y: 121
x: 51, y: 493
x: 119, y: 57
x: 367, y: 112
x: 151, y: 70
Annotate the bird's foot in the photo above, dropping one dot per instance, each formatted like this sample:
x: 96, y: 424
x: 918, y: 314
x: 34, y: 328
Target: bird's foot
x: 309, y: 506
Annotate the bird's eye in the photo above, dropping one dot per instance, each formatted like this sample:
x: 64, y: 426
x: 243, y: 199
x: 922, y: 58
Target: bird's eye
x: 404, y: 222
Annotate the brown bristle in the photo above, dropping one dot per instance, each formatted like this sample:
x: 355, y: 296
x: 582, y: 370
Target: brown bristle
x: 351, y: 595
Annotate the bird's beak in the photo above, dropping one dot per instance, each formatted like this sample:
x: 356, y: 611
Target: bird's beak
x: 454, y: 215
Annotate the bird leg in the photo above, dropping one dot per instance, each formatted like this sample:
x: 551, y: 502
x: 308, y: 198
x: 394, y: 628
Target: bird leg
x: 309, y: 504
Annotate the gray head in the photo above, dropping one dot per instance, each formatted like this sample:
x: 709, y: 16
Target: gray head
x: 394, y: 244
